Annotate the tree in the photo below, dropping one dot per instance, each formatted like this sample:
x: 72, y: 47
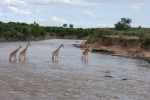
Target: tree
x: 71, y: 25
x: 123, y: 24
x: 36, y: 23
x: 64, y: 25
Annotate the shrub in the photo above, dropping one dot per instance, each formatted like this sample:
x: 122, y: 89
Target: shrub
x: 146, y: 39
x: 101, y: 32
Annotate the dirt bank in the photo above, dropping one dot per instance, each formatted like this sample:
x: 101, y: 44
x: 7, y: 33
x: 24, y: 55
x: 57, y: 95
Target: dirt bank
x: 120, y: 46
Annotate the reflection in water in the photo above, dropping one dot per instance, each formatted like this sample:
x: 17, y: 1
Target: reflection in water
x: 22, y: 61
x: 98, y: 77
x: 55, y: 61
x: 13, y: 61
x: 85, y: 61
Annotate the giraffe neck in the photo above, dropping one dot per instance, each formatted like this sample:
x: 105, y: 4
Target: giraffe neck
x: 87, y: 48
x: 17, y: 49
x: 58, y: 49
x: 26, y: 47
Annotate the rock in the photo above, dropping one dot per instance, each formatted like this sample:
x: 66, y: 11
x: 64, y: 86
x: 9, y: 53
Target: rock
x: 124, y: 79
x: 108, y: 76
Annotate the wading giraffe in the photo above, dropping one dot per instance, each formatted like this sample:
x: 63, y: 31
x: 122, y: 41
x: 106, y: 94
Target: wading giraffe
x: 23, y: 52
x: 85, y: 53
x: 56, y: 52
x: 14, y: 53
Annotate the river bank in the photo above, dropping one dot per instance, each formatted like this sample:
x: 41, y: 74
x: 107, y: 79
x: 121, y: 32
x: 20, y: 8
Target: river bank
x: 116, y: 46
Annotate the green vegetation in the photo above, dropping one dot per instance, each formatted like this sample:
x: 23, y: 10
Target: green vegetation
x: 16, y: 31
x: 12, y: 31
x: 142, y: 33
x: 123, y: 24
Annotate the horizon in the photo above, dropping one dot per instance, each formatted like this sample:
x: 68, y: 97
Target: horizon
x: 69, y: 27
x: 80, y: 13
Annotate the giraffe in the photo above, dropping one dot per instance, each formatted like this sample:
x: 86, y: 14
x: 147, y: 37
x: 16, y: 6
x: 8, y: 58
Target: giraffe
x: 85, y: 53
x: 56, y: 52
x: 23, y: 52
x: 14, y: 53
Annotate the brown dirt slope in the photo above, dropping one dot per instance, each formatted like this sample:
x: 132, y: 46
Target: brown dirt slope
x: 120, y: 46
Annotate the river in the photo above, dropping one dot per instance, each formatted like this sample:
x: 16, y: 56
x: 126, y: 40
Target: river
x: 101, y: 77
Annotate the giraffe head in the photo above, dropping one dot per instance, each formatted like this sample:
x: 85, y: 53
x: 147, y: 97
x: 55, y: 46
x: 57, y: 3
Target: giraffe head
x: 20, y: 46
x: 29, y: 44
x: 87, y: 47
x: 62, y: 45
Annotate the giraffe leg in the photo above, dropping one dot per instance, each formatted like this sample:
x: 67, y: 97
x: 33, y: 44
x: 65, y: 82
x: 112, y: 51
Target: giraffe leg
x: 24, y: 57
x: 20, y: 58
x: 54, y: 58
x: 15, y: 58
x: 82, y: 57
x: 87, y: 56
x: 57, y: 57
x: 10, y: 58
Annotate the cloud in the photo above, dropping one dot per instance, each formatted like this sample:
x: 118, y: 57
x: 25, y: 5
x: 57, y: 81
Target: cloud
x: 59, y: 2
x: 82, y: 13
x: 25, y: 12
x: 15, y: 10
x: 117, y: 1
x: 58, y: 20
x: 1, y: 14
x: 105, y: 25
x: 135, y: 7
x: 38, y: 11
x: 13, y: 2
x: 76, y: 2
x: 89, y: 13
x: 69, y: 2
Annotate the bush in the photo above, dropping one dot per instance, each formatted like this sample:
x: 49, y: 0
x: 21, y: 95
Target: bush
x: 101, y: 32
x: 92, y: 39
x: 146, y: 39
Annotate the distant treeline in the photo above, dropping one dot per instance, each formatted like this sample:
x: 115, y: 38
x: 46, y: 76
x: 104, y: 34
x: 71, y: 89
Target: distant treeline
x: 16, y: 31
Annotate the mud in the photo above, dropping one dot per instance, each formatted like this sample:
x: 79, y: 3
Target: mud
x: 101, y: 77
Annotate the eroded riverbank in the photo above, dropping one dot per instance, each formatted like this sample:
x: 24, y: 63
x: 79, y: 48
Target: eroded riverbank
x: 126, y: 46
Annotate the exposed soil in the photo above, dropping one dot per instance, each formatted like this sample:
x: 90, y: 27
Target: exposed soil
x: 119, y: 46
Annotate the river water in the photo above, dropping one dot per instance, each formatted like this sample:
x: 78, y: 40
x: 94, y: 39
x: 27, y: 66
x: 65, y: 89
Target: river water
x: 101, y: 77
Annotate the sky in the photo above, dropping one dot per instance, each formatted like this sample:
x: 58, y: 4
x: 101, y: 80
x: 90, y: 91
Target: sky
x: 80, y: 13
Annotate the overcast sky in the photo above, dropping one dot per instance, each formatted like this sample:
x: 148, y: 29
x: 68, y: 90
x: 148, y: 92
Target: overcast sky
x: 80, y: 13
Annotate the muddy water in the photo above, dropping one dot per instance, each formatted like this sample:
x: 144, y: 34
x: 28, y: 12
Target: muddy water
x: 101, y: 77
